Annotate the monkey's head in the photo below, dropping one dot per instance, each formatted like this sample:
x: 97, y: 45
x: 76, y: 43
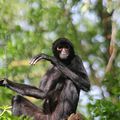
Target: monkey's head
x: 63, y: 50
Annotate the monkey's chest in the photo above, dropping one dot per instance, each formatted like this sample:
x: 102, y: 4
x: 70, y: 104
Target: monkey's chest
x: 51, y: 102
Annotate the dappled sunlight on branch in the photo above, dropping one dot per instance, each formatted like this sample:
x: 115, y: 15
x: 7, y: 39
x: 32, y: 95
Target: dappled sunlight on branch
x: 112, y: 48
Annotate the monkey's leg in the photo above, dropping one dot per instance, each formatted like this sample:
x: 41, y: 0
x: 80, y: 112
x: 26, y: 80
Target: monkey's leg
x: 21, y: 106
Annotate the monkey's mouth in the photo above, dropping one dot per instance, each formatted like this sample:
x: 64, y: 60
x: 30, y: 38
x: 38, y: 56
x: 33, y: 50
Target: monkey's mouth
x: 64, y: 56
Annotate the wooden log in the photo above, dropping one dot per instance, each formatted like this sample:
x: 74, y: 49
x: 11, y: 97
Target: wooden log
x: 76, y: 116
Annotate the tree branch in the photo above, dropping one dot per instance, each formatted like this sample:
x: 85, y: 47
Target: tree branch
x: 112, y: 48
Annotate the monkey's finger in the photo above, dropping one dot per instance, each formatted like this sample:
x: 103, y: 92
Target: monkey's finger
x: 35, y: 60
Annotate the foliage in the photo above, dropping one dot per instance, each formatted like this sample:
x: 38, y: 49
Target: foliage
x: 110, y: 81
x: 28, y: 27
x: 6, y: 113
x: 107, y: 108
x: 104, y: 109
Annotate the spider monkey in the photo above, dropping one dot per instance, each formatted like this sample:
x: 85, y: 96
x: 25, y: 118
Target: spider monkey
x: 59, y: 88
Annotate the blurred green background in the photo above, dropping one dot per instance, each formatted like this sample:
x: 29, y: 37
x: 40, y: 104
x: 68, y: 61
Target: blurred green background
x: 29, y: 27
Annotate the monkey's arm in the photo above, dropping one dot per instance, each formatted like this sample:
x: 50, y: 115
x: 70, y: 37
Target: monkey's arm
x: 78, y: 75
x: 24, y: 89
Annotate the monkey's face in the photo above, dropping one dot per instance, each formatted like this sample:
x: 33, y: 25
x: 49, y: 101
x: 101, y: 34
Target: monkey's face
x: 63, y: 52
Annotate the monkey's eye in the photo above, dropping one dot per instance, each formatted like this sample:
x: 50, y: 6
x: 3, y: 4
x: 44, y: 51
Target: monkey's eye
x: 59, y: 49
x: 62, y: 48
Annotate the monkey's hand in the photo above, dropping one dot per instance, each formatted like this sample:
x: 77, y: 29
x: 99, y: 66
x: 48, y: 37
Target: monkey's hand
x: 3, y: 82
x: 39, y: 57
